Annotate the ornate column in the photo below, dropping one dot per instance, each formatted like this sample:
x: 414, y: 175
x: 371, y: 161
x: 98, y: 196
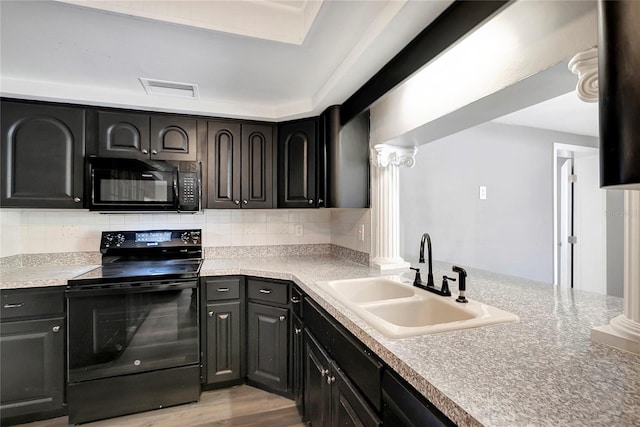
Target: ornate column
x: 624, y: 330
x: 386, y: 161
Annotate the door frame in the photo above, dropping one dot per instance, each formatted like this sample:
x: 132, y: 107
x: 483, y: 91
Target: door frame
x: 563, y: 151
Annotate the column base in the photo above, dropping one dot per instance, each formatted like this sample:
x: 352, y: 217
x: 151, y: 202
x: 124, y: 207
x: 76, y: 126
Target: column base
x: 389, y: 263
x: 621, y: 333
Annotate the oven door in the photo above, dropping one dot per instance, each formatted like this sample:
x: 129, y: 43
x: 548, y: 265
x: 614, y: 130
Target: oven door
x: 123, y: 184
x: 121, y: 329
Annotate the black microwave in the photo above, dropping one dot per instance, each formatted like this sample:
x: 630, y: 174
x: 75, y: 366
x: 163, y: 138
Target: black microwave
x: 128, y: 185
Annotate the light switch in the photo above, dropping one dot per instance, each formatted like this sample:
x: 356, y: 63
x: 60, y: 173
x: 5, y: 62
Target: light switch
x: 483, y: 192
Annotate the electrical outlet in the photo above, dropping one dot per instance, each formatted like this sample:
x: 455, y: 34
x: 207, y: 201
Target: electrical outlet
x: 299, y: 230
x: 483, y: 192
x: 361, y: 232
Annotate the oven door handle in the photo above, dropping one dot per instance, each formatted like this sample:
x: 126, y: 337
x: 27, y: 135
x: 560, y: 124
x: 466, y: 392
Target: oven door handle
x: 126, y: 288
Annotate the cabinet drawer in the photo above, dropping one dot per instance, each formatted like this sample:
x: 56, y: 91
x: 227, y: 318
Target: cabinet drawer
x: 222, y: 289
x: 267, y: 291
x: 31, y: 302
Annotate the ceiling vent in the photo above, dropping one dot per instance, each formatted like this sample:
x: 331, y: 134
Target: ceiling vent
x: 163, y: 87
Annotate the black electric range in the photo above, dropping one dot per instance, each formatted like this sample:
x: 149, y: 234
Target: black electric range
x: 130, y: 256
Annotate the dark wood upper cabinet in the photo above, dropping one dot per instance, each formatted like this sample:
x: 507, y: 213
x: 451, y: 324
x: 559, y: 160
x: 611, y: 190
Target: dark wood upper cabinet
x: 257, y: 166
x: 297, y: 168
x: 223, y: 165
x: 143, y: 136
x: 240, y: 165
x: 42, y: 155
x: 173, y: 138
x: 123, y: 135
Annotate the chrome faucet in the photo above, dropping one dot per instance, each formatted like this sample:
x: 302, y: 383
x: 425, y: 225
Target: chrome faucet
x: 421, y: 259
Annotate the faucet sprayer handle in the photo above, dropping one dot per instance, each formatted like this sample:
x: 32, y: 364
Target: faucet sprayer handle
x: 462, y: 285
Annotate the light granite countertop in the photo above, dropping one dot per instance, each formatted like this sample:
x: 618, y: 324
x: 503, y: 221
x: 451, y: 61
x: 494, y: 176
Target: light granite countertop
x: 40, y: 276
x: 542, y: 371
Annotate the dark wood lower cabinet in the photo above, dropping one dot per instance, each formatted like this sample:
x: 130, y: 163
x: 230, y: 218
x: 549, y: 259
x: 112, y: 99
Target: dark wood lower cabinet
x: 223, y: 342
x: 268, y: 332
x: 297, y: 363
x: 329, y: 397
x: 32, y: 354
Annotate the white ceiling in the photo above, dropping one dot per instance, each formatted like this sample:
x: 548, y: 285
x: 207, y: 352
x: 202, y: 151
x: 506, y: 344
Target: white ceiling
x: 566, y: 113
x: 57, y: 51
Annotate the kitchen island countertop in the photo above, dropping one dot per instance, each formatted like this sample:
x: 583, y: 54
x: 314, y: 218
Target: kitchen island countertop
x: 542, y: 371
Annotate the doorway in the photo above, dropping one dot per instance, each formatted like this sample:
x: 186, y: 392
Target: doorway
x: 579, y: 220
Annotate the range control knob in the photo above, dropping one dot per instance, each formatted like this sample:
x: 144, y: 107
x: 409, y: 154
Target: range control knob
x: 186, y: 237
x: 119, y: 239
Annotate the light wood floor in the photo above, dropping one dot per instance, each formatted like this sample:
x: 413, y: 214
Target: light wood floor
x: 240, y: 406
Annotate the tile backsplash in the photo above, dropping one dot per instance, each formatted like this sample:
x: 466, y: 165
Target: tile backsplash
x: 32, y: 231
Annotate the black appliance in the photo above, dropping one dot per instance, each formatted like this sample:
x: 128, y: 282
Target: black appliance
x: 134, y: 185
x: 133, y: 326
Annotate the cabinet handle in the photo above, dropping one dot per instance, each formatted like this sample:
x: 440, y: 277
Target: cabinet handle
x: 154, y: 152
x: 244, y: 202
x: 56, y: 328
x: 324, y: 372
x: 265, y: 291
x: 283, y: 318
x: 331, y: 380
x: 295, y: 300
x: 223, y: 289
x: 297, y: 331
x: 145, y: 151
x: 13, y: 305
x: 77, y: 199
x: 237, y: 202
x: 210, y: 314
x: 310, y: 201
x: 320, y: 201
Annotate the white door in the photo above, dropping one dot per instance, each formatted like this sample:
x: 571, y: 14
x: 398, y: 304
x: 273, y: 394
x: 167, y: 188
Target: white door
x: 589, y: 226
x: 565, y: 259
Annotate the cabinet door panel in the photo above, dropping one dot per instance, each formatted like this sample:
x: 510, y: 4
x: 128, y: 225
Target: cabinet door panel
x: 42, y: 155
x: 223, y: 342
x: 267, y: 345
x: 297, y: 365
x: 32, y: 365
x: 257, y: 166
x: 223, y: 146
x: 297, y: 147
x: 317, y: 392
x: 348, y: 407
x: 123, y: 135
x: 173, y: 138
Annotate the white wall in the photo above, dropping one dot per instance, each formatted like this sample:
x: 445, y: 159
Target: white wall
x: 42, y: 231
x: 510, y: 232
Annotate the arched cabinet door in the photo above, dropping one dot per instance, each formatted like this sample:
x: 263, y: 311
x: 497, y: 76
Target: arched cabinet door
x: 223, y: 165
x: 123, y: 135
x: 297, y: 169
x: 42, y: 155
x: 257, y: 164
x: 173, y: 138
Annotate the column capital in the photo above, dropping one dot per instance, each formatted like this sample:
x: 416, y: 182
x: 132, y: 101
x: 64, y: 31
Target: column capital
x: 585, y: 65
x: 383, y: 155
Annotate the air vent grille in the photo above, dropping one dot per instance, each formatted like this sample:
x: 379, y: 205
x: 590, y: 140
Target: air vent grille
x: 167, y: 88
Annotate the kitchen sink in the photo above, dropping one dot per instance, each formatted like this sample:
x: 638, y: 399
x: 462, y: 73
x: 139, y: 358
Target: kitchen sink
x: 367, y: 290
x: 398, y: 310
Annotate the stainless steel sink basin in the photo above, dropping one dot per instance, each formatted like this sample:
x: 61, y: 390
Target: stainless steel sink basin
x: 397, y: 309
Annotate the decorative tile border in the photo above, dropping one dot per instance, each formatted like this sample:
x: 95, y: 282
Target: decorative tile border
x: 350, y: 254
x: 61, y: 258
x: 266, y: 251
